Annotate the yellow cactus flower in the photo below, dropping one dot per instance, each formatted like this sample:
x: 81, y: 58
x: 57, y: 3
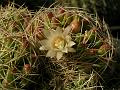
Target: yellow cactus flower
x: 57, y: 43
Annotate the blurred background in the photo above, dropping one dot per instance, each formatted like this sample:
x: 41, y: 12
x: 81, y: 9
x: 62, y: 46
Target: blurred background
x: 109, y: 10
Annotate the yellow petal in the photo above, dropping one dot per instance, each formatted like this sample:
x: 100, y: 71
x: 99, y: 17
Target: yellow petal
x: 59, y: 55
x: 51, y: 54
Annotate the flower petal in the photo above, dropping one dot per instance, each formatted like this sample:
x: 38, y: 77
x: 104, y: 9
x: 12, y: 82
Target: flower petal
x: 51, y: 54
x: 71, y: 50
x: 67, y: 30
x: 65, y: 50
x: 58, y: 30
x: 43, y: 42
x: 46, y: 33
x: 43, y: 48
x: 71, y: 43
x: 68, y: 38
x: 59, y: 55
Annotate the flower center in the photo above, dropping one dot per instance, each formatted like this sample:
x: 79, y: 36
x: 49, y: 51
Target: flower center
x: 59, y: 43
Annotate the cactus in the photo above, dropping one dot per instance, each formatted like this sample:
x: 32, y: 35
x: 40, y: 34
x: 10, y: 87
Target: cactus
x: 55, y: 49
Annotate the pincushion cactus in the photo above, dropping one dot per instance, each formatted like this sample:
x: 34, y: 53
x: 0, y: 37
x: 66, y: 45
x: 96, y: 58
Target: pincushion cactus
x: 63, y: 48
